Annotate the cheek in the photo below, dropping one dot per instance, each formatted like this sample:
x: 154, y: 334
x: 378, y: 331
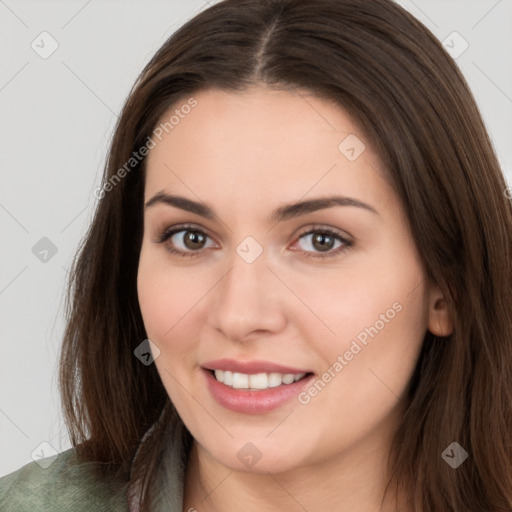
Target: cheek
x: 374, y: 315
x: 156, y: 306
x: 380, y: 330
x: 161, y: 297
x: 171, y: 301
x: 349, y: 300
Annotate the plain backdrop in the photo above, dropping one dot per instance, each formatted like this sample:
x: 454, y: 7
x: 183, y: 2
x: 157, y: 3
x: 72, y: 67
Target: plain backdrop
x: 57, y: 114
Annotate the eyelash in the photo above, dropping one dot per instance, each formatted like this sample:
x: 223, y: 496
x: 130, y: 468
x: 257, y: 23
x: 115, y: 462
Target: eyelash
x: 167, y: 233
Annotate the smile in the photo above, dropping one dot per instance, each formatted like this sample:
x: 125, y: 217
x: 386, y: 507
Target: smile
x: 253, y: 387
x: 258, y: 381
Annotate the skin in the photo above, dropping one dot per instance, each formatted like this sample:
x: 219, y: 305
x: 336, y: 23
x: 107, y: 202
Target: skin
x: 246, y: 154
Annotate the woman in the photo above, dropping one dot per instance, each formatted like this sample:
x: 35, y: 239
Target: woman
x: 295, y: 291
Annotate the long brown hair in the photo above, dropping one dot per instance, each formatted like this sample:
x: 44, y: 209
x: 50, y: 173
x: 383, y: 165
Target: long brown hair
x: 381, y: 65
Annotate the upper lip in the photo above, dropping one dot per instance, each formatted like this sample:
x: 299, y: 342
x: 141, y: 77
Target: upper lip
x: 251, y: 367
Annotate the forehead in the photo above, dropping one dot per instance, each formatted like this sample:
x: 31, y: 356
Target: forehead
x: 259, y: 143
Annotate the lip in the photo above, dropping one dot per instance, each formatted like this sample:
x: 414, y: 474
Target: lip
x: 251, y: 367
x: 254, y: 402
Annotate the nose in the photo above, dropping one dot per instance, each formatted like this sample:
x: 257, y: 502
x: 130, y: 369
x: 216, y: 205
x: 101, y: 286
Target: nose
x: 248, y: 301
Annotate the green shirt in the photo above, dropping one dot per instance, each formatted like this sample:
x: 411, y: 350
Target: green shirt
x: 69, y: 486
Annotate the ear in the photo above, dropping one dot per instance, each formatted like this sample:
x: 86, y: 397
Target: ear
x: 440, y: 318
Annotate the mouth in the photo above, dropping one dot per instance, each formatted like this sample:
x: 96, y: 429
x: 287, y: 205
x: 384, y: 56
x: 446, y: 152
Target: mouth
x: 256, y: 381
x: 254, y: 387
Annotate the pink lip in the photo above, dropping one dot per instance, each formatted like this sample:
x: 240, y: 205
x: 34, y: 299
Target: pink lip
x: 254, y: 402
x: 251, y: 367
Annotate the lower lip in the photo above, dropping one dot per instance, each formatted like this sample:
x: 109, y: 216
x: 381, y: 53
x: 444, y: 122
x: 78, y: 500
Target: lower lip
x: 253, y: 402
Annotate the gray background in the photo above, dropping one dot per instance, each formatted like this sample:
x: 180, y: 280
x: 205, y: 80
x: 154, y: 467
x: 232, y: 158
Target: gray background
x: 57, y: 116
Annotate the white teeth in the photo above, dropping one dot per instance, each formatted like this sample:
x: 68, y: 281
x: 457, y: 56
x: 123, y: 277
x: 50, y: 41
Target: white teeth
x: 240, y: 380
x: 256, y: 381
x: 274, y: 380
x: 288, y: 378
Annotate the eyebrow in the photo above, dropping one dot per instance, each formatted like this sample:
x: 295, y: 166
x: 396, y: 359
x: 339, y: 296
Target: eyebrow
x: 280, y: 214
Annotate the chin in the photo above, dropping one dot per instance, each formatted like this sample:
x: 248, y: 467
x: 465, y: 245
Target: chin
x: 258, y: 457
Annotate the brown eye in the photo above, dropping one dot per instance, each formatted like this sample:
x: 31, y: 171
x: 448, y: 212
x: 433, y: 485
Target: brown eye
x: 185, y: 241
x: 322, y: 242
x: 194, y: 239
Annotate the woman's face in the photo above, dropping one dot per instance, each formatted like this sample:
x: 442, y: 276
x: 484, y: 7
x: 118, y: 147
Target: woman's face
x: 289, y: 259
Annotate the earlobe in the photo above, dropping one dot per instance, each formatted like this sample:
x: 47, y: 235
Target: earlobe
x: 440, y: 318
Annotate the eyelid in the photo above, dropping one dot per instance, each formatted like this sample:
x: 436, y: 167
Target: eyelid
x: 176, y: 228
x: 346, y: 239
x: 302, y: 232
x: 326, y: 229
